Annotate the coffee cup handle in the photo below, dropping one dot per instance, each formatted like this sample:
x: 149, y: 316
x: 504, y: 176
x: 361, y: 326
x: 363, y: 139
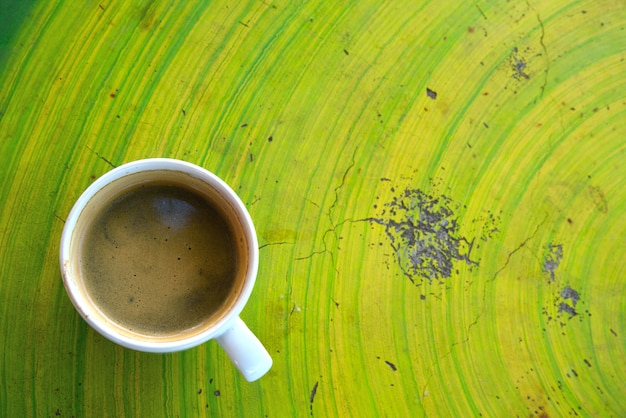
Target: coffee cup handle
x: 245, y: 350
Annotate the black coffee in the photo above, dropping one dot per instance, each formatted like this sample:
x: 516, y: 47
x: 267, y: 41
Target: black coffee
x: 159, y: 260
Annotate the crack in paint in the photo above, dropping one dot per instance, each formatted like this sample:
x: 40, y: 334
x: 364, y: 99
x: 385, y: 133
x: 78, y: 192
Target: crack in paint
x: 543, y: 46
x: 329, y: 214
x: 504, y: 266
x: 522, y: 245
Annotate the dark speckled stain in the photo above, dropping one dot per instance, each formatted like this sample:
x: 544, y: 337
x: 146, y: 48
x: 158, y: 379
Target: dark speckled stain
x: 424, y: 232
x: 598, y: 198
x: 146, y: 15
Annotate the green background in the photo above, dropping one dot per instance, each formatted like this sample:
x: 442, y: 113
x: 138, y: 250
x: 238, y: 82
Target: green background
x: 439, y: 191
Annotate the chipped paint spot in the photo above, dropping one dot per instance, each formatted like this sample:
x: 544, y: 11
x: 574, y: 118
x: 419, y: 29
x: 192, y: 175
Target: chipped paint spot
x: 519, y: 66
x: 552, y: 260
x: 424, y: 232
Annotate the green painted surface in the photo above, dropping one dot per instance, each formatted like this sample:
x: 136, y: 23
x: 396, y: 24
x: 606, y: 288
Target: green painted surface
x: 439, y: 191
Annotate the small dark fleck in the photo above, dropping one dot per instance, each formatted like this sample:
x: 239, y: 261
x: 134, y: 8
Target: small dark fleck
x: 270, y: 139
x: 613, y: 332
x: 312, y: 396
x: 423, y: 297
x: 216, y: 393
x: 587, y: 363
x: 184, y: 112
x: 199, y: 391
x: 131, y: 299
x: 251, y: 157
x: 485, y: 125
x: 210, y: 381
x: 112, y: 95
x: 244, y: 125
x: 569, y: 221
x: 431, y: 93
x: 574, y: 373
x: 346, y: 52
x: 390, y: 364
x: 101, y: 7
x: 57, y: 413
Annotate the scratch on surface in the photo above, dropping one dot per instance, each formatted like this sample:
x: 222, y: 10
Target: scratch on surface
x: 481, y: 12
x: 101, y: 157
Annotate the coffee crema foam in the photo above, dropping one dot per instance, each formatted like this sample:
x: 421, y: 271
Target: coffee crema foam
x: 159, y: 260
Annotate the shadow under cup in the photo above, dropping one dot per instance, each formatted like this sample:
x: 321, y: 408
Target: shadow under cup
x: 149, y: 240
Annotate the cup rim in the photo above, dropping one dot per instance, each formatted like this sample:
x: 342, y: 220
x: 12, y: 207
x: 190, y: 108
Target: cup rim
x: 89, y: 312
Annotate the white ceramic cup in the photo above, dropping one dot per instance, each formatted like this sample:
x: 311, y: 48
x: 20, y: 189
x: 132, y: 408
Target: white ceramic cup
x: 244, y: 349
